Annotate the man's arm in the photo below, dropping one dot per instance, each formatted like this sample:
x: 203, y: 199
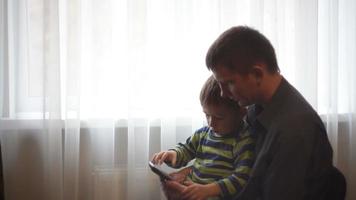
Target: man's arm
x: 288, y: 164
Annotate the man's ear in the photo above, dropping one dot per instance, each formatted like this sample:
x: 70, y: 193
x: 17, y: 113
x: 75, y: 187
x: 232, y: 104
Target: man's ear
x: 258, y: 72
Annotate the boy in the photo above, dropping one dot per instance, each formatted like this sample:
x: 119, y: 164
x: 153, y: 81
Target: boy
x: 223, y: 150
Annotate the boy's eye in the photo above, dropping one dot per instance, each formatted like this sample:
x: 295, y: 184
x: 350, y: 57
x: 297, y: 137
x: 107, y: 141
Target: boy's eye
x: 217, y: 117
x: 214, y: 117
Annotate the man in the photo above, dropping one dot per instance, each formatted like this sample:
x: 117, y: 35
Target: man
x: 294, y: 153
x: 2, y: 192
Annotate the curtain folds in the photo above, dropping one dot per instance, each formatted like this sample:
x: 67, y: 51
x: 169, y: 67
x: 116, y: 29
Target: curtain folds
x: 90, y: 89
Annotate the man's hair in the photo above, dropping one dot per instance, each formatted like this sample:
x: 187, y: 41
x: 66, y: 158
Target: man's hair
x: 210, y: 94
x: 239, y: 48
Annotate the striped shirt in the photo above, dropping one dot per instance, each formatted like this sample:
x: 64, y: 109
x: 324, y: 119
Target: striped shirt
x: 225, y: 160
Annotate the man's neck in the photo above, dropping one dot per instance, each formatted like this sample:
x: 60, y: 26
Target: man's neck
x: 271, y: 84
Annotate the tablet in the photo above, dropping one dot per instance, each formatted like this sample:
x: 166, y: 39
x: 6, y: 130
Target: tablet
x: 163, y: 175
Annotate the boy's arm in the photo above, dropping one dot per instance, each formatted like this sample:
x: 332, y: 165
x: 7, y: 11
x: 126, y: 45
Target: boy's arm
x: 232, y: 185
x: 180, y: 155
x: 186, y: 152
x: 199, y: 191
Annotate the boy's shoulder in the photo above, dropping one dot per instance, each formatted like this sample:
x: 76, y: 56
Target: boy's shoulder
x: 245, y: 134
x: 245, y: 131
x: 203, y: 130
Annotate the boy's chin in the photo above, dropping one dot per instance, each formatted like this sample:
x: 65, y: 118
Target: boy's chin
x: 243, y: 103
x: 221, y: 134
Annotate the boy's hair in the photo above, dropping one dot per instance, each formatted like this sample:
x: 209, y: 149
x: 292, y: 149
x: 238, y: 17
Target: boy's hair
x: 210, y: 94
x: 239, y: 48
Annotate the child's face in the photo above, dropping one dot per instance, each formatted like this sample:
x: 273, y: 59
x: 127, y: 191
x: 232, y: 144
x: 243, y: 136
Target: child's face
x: 222, y: 118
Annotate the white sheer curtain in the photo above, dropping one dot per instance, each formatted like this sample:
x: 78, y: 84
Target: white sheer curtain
x: 90, y: 89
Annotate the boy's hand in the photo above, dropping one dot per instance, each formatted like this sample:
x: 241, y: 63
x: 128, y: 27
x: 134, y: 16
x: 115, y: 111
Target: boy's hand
x: 168, y: 156
x: 195, y: 191
x: 181, y: 175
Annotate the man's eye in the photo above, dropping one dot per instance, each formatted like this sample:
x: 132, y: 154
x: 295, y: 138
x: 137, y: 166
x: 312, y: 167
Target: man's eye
x: 230, y: 83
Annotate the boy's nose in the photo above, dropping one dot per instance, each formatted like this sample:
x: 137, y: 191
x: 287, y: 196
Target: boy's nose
x: 225, y: 92
x: 212, y: 123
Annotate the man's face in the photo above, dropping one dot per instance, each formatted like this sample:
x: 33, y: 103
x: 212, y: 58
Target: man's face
x: 240, y: 88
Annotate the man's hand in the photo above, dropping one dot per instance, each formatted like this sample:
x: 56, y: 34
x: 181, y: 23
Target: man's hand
x: 194, y: 191
x: 168, y: 156
x: 173, y: 190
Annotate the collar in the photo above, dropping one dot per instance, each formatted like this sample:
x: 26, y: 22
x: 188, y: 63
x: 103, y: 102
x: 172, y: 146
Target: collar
x: 272, y: 108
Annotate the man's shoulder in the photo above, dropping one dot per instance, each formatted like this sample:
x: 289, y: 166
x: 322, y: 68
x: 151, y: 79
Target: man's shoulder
x: 296, y: 116
x: 296, y: 111
x: 292, y: 100
x: 299, y: 126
